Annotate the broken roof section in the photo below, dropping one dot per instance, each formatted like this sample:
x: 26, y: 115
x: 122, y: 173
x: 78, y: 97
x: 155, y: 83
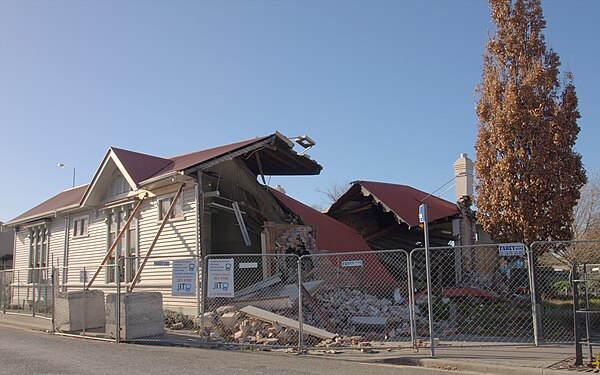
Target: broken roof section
x: 402, y: 200
x: 336, y: 237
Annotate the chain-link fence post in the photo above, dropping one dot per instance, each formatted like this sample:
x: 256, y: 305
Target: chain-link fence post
x: 83, y: 284
x: 533, y: 291
x: 53, y: 281
x: 118, y: 301
x: 203, y: 299
x: 411, y: 300
x: 34, y: 274
x: 300, y: 318
x: 2, y: 292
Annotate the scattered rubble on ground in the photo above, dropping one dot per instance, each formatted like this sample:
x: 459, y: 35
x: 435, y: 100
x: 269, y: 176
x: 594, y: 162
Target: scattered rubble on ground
x: 357, y: 317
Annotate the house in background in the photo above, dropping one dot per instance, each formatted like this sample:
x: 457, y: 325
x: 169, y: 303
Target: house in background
x: 7, y: 244
x: 333, y: 236
x: 201, y: 203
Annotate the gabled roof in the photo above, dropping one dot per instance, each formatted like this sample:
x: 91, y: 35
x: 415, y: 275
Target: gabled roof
x: 402, y: 200
x: 336, y: 237
x: 271, y: 155
x: 140, y: 166
x: 66, y: 199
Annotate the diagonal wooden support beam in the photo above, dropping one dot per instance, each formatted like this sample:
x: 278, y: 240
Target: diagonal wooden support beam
x: 114, y: 244
x: 136, y: 279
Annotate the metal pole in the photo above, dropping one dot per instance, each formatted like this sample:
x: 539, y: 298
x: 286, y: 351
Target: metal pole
x: 578, y: 352
x: 533, y: 293
x: 300, y: 316
x: 198, y: 257
x: 53, y: 296
x: 428, y: 269
x: 118, y: 302
x: 587, y: 316
x: 2, y: 292
x: 18, y: 291
x: 33, y: 291
x: 411, y: 300
x: 203, y: 301
x: 83, y: 282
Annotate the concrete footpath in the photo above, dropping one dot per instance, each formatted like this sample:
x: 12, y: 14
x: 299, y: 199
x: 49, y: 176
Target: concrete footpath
x: 516, y: 359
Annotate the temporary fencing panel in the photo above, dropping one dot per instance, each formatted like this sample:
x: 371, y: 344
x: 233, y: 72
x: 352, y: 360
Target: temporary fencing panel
x: 252, y: 300
x: 352, y: 298
x: 81, y: 309
x: 554, y: 294
x: 27, y: 291
x: 479, y: 294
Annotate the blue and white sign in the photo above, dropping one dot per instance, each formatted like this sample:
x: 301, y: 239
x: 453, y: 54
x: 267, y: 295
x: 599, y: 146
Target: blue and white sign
x: 422, y: 213
x: 184, y: 278
x: 220, y: 278
x: 511, y: 250
x: 352, y: 263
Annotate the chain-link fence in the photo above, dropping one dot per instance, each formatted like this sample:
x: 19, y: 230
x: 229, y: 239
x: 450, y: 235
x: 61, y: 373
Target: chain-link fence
x: 159, y: 299
x: 80, y: 308
x: 494, y: 294
x: 26, y: 291
x: 253, y: 300
x: 480, y: 294
x: 357, y: 300
x: 553, y: 262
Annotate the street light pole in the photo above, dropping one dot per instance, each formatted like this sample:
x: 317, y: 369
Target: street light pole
x: 63, y: 165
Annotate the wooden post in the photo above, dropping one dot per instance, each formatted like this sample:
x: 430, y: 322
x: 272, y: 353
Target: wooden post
x: 136, y: 279
x: 114, y: 244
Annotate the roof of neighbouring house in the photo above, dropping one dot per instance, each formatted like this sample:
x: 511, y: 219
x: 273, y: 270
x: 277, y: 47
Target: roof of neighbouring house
x: 334, y: 236
x: 65, y: 199
x: 402, y: 200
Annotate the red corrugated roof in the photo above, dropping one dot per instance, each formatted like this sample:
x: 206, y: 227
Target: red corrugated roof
x: 334, y: 236
x: 184, y: 161
x: 64, y: 199
x: 140, y: 166
x: 404, y: 201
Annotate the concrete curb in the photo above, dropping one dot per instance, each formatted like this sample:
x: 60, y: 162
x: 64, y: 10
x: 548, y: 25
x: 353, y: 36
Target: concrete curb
x: 489, y: 368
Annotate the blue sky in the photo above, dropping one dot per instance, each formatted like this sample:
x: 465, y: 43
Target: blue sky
x: 384, y: 87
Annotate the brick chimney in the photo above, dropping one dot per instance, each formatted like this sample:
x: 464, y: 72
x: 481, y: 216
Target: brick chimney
x: 463, y: 173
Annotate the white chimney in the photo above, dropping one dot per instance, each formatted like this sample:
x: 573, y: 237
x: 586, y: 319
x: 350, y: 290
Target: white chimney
x: 463, y: 174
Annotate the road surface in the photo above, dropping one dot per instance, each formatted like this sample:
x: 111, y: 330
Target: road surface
x: 24, y: 352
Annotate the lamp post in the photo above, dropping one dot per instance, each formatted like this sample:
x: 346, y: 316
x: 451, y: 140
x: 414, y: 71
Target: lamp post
x: 63, y: 165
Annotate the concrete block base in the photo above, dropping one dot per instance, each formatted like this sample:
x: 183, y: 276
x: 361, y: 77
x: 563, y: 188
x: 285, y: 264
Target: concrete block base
x: 141, y: 315
x: 76, y: 310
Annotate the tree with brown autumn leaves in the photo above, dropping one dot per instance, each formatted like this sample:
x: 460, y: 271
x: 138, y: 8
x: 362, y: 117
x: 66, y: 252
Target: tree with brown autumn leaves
x: 529, y: 175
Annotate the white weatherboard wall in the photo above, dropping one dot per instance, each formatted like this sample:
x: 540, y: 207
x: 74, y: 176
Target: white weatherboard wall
x: 87, y: 251
x: 177, y: 241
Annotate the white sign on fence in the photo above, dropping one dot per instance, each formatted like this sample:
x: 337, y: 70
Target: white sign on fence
x: 511, y: 250
x: 220, y: 278
x: 83, y: 276
x: 352, y: 263
x: 184, y: 278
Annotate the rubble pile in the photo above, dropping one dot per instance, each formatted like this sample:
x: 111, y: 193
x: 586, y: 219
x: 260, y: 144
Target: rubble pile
x: 228, y: 324
x: 354, y: 312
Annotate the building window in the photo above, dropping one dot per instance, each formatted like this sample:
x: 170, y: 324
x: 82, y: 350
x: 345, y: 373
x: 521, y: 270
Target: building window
x: 38, y: 254
x: 126, y: 249
x: 80, y: 226
x: 165, y: 203
x: 118, y: 187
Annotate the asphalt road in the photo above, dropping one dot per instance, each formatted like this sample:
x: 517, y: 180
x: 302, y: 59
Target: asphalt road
x: 23, y: 352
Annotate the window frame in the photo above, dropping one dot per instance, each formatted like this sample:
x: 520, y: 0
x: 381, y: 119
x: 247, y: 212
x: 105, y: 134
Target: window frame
x: 117, y: 217
x: 169, y: 198
x: 39, y: 250
x: 78, y: 223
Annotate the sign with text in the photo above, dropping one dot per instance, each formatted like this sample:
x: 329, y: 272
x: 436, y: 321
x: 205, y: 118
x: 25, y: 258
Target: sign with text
x: 184, y: 278
x: 352, y: 263
x: 220, y: 278
x: 511, y: 250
